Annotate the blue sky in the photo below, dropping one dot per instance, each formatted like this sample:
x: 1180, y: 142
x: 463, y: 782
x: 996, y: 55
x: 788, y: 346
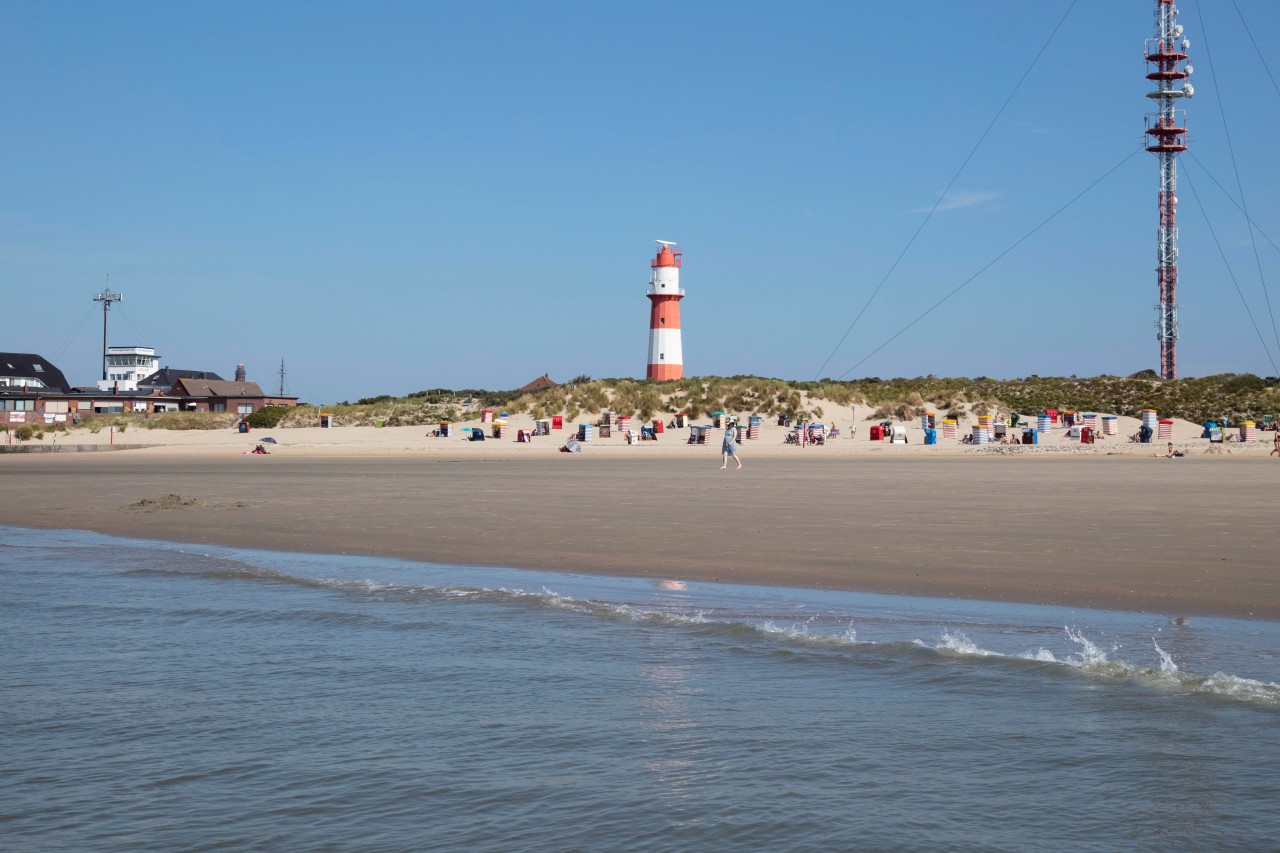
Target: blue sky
x: 398, y: 196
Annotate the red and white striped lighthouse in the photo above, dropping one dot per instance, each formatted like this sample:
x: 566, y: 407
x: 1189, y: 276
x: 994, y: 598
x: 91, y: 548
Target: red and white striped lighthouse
x: 666, y: 359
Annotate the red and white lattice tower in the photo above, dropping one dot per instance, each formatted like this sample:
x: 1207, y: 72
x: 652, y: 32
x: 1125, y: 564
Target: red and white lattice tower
x: 1166, y: 56
x: 666, y: 359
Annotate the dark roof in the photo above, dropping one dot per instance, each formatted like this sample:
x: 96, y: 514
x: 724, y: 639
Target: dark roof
x: 216, y: 388
x: 31, y: 365
x: 167, y: 377
x: 543, y: 381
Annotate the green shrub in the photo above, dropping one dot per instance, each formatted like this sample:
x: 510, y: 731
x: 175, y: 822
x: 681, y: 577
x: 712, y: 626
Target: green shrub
x: 25, y: 432
x: 267, y: 417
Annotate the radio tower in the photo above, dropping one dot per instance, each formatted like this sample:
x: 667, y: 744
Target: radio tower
x: 1166, y: 138
x: 106, y: 298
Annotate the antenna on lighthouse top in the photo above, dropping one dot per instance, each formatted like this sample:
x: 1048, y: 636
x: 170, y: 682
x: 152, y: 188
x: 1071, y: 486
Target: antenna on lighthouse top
x: 666, y: 242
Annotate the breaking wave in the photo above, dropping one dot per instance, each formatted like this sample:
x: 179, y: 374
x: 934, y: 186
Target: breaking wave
x: 817, y: 631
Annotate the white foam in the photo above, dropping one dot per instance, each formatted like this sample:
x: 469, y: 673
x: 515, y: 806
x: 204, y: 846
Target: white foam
x: 1240, y: 688
x: 1166, y: 662
x: 956, y: 641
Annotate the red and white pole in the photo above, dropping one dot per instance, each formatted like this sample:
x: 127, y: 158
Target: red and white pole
x: 666, y: 358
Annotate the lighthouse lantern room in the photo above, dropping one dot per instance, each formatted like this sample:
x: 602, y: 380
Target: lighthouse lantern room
x: 666, y: 358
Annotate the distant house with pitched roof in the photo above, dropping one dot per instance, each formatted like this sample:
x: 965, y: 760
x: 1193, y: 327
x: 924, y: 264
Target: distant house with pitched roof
x: 225, y: 395
x: 30, y: 370
x: 165, y: 378
x: 542, y: 383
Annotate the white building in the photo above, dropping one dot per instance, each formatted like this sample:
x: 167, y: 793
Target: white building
x: 127, y: 366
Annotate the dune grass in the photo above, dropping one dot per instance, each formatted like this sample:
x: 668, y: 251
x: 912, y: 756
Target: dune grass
x: 1238, y: 396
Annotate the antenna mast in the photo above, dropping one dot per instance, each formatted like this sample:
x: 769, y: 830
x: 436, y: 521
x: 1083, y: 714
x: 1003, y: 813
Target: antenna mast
x: 282, y: 377
x: 106, y: 298
x: 1166, y: 55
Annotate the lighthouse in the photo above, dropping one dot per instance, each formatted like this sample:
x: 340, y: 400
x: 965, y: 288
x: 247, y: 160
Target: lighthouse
x: 666, y: 359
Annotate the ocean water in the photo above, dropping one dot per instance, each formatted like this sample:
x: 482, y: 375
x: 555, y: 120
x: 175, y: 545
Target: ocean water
x: 170, y: 697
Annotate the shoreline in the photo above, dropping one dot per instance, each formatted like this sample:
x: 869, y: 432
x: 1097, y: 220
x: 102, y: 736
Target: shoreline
x: 1116, y: 533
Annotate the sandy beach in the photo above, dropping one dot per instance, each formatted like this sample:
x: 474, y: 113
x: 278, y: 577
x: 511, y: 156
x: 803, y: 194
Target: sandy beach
x: 1105, y: 525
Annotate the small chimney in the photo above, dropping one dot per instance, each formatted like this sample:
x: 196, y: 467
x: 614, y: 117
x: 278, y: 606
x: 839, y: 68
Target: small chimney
x: 240, y: 372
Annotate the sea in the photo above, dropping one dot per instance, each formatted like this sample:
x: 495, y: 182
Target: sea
x: 159, y: 696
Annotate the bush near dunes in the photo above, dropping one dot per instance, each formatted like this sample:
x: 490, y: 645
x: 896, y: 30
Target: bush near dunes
x: 267, y: 417
x: 1237, y: 396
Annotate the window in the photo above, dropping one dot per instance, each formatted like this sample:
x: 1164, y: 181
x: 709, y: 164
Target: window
x: 244, y: 408
x: 217, y: 407
x: 38, y: 367
x: 60, y: 407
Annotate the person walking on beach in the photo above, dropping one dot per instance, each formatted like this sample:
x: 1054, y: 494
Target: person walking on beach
x: 1275, y: 449
x: 727, y: 449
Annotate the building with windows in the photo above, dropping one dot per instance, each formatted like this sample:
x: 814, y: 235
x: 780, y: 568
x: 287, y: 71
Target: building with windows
x: 127, y: 366
x: 222, y: 395
x: 29, y: 370
x: 24, y: 378
x: 33, y: 391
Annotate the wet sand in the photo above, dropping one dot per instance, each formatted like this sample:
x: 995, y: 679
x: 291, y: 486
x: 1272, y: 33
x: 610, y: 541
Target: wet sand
x: 1179, y: 537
